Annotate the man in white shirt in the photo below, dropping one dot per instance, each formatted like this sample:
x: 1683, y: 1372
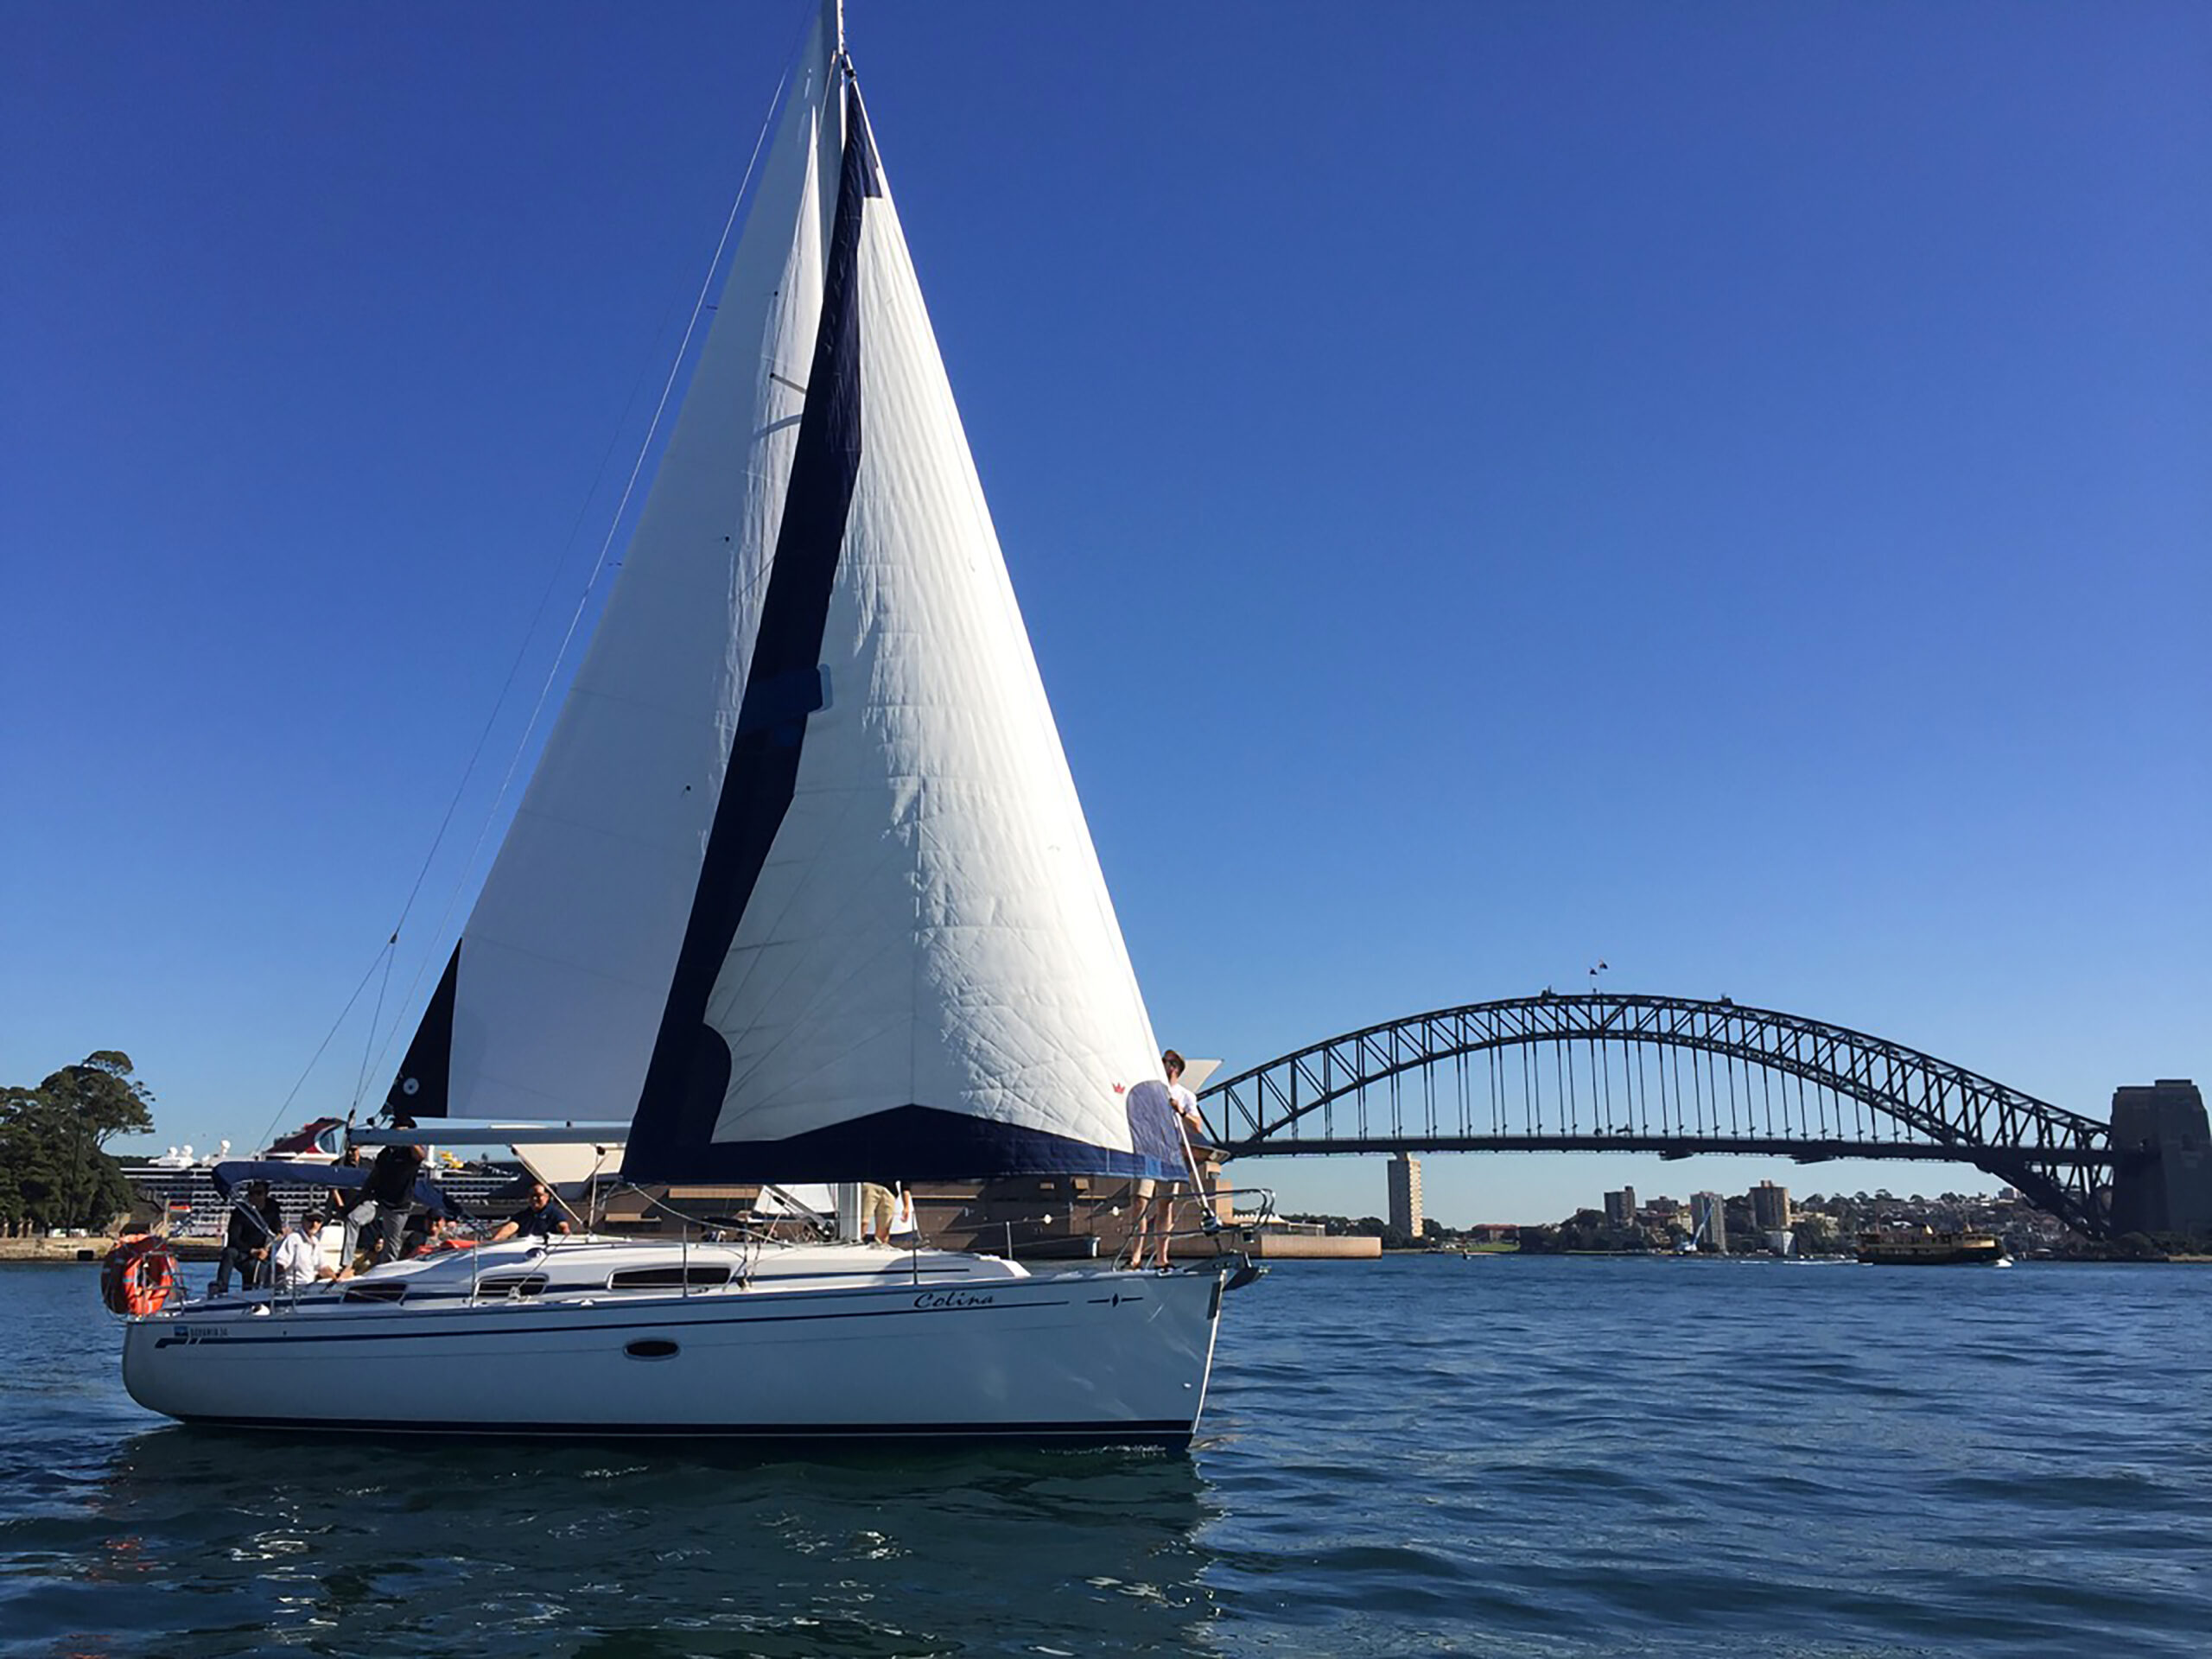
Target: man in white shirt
x: 1184, y: 1102
x: 296, y: 1261
x: 1153, y: 1221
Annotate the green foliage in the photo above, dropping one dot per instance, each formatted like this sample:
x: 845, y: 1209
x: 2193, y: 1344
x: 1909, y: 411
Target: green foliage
x: 54, y: 1172
x: 101, y: 1092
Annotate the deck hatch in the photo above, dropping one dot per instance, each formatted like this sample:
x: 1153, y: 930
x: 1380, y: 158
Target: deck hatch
x: 669, y: 1278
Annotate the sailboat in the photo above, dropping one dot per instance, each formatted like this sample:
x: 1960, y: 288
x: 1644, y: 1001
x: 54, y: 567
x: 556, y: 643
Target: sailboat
x: 800, y: 890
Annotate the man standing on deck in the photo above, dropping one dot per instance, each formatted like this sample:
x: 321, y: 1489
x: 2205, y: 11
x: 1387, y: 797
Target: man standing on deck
x: 387, y: 1198
x: 1155, y: 1217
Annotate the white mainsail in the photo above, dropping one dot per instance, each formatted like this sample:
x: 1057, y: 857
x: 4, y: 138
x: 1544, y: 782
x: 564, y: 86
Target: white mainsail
x: 803, y: 877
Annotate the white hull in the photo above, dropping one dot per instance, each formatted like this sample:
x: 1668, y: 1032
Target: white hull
x: 811, y: 1342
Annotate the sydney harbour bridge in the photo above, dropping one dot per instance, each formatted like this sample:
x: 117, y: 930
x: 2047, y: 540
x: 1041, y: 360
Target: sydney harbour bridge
x: 1675, y: 1076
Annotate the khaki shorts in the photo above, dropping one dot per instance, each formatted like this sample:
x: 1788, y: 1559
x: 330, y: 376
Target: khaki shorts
x: 878, y: 1208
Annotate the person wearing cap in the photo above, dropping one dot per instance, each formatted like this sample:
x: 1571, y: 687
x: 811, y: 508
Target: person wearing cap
x: 297, y: 1262
x: 255, y: 1222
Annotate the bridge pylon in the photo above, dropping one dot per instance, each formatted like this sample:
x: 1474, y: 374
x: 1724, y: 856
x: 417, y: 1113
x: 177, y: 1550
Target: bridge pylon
x: 2161, y: 1177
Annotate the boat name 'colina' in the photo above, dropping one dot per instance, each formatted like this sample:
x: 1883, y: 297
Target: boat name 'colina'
x: 952, y: 1299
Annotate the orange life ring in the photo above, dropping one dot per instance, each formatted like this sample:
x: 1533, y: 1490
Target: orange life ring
x: 137, y: 1277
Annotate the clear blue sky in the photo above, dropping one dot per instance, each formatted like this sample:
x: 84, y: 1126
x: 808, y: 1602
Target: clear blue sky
x: 1725, y: 488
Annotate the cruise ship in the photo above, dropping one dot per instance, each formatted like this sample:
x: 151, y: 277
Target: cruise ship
x: 181, y: 1184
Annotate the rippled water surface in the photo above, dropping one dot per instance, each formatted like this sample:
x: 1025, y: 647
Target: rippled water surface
x: 1499, y: 1456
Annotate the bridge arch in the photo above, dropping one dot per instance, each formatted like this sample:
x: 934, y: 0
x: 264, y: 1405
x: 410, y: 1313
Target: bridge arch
x: 1529, y: 1073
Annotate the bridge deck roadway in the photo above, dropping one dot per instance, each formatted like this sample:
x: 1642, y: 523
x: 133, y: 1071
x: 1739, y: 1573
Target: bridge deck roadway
x: 1667, y: 1145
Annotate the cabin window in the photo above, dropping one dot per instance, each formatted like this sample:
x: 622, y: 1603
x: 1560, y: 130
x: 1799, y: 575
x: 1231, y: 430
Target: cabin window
x: 512, y: 1284
x: 651, y: 1348
x: 373, y: 1292
x: 668, y: 1278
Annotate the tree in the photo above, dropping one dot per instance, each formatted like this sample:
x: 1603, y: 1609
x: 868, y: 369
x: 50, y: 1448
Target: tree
x: 54, y: 1170
x: 104, y: 1094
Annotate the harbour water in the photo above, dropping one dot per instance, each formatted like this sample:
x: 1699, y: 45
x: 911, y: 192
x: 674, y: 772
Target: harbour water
x: 1507, y: 1457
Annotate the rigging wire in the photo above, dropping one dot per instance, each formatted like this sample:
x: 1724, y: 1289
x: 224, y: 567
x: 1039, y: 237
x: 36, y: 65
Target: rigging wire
x: 284, y: 1109
x: 384, y: 984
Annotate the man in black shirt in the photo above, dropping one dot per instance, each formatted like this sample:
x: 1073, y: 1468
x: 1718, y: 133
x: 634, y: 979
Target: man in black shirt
x: 390, y: 1194
x: 255, y: 1223
x: 542, y: 1220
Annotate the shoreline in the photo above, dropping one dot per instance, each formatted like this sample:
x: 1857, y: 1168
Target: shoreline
x: 69, y: 1252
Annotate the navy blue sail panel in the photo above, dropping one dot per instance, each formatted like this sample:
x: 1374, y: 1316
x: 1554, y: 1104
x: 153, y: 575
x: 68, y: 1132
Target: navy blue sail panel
x: 910, y: 1143
x: 689, y: 1074
x: 423, y: 1086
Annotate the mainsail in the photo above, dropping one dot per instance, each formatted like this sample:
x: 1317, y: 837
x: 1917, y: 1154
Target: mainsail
x: 801, y: 884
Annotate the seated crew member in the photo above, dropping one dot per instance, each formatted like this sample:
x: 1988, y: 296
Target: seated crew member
x: 542, y: 1219
x: 272, y: 1223
x: 247, y: 1239
x: 296, y: 1261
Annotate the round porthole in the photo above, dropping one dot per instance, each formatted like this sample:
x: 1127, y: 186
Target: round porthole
x: 650, y: 1347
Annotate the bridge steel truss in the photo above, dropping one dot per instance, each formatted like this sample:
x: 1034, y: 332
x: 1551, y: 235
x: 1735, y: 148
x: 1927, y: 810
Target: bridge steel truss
x: 1592, y: 1074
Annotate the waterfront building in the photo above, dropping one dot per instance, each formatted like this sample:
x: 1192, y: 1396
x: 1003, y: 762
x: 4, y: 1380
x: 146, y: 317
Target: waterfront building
x: 1771, y: 1207
x: 1405, y: 1194
x: 1620, y: 1207
x: 1709, y: 1221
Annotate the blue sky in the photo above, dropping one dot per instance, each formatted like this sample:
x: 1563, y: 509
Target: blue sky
x: 1719, y: 487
